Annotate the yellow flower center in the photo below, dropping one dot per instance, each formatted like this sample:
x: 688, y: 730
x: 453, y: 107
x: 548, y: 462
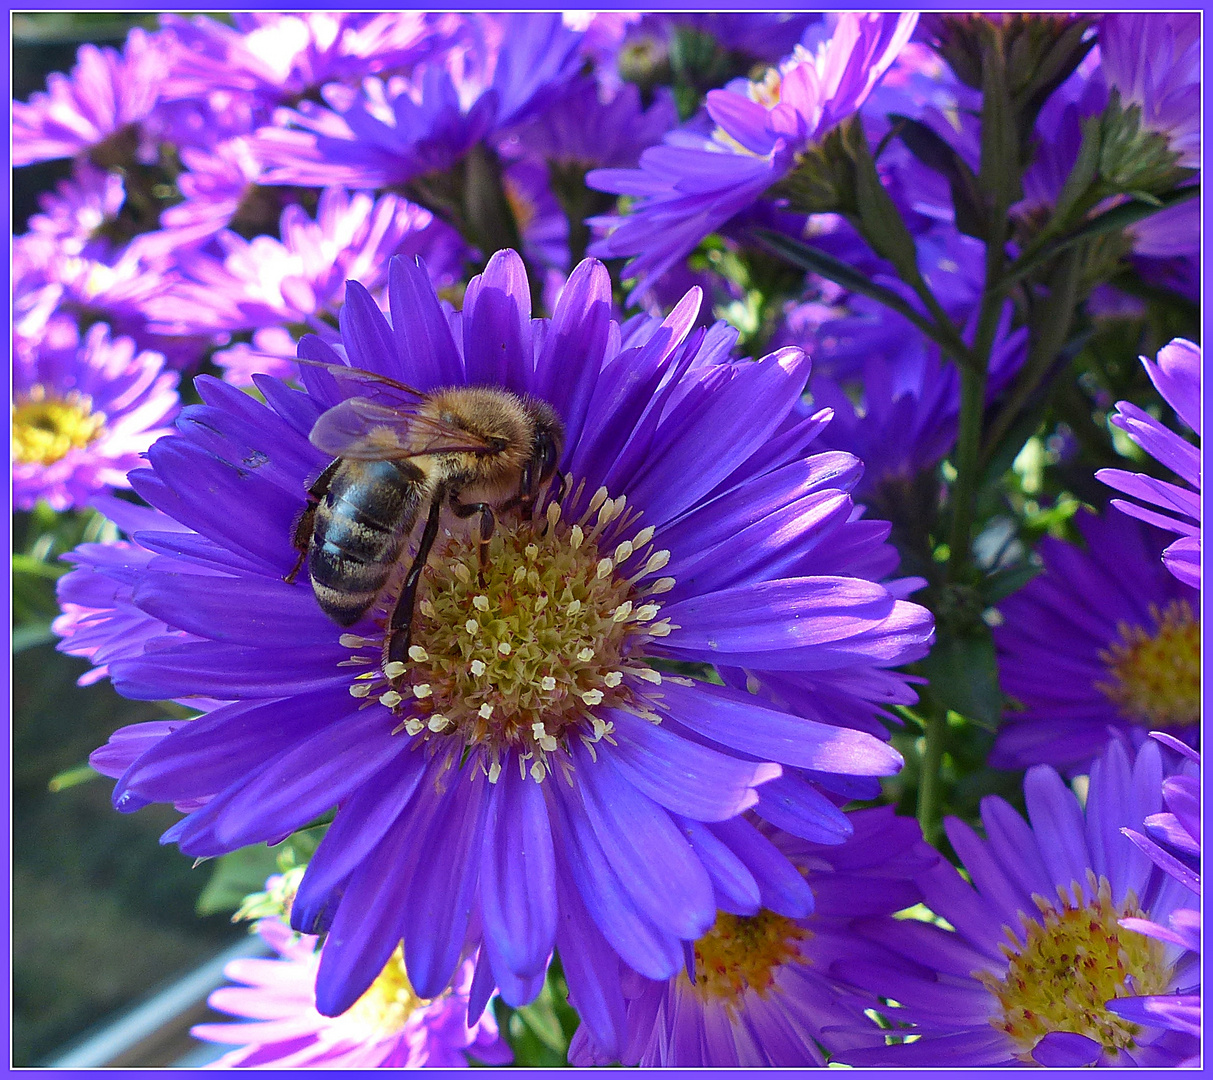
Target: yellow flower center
x: 1066, y: 965
x: 1155, y: 678
x: 521, y: 655
x: 385, y: 1007
x: 47, y: 427
x: 742, y: 953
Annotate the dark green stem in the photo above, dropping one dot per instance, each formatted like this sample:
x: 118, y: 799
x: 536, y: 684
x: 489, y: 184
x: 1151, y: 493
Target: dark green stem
x: 929, y: 802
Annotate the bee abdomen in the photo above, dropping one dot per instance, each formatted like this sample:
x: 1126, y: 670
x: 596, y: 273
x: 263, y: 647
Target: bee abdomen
x: 360, y: 527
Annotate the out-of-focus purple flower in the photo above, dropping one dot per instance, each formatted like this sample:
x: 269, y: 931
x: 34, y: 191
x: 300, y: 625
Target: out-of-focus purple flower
x: 265, y: 282
x: 278, y: 57
x: 696, y: 182
x: 389, y: 1027
x: 581, y: 128
x: 541, y: 222
x: 1105, y: 642
x: 1153, y: 59
x: 1179, y: 829
x: 74, y: 214
x: 391, y: 131
x: 83, y: 413
x: 763, y: 990
x: 1176, y: 376
x: 1036, y: 948
x: 458, y: 824
x: 105, y: 93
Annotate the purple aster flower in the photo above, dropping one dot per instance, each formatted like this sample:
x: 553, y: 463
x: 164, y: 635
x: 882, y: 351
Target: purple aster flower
x: 1176, y: 376
x: 1179, y: 829
x: 392, y: 131
x: 79, y: 208
x: 83, y: 413
x: 1153, y: 59
x: 1035, y: 949
x: 581, y: 128
x: 390, y: 1026
x: 696, y: 182
x: 267, y: 282
x: 105, y: 93
x: 1104, y: 643
x: 762, y: 991
x: 276, y: 57
x: 527, y: 779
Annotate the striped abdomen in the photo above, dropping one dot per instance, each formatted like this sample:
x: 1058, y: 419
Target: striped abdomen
x: 361, y: 524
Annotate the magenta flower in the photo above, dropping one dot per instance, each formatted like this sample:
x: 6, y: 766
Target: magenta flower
x: 480, y: 800
x: 105, y: 92
x: 1105, y: 642
x: 695, y: 183
x: 1153, y: 59
x: 84, y: 412
x: 1176, y: 376
x: 759, y: 990
x: 389, y: 1027
x: 1037, y: 949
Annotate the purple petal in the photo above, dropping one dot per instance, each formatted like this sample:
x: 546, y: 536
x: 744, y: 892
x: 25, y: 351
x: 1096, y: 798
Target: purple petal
x: 423, y: 335
x: 497, y: 325
x: 1066, y: 1050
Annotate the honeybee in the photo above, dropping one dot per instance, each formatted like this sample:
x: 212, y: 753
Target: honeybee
x: 477, y: 450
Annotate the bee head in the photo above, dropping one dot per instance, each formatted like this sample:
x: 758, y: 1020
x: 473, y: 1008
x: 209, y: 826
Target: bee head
x: 549, y: 436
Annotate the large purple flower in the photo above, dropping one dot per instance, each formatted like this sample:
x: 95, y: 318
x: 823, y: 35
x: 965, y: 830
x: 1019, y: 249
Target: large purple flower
x: 524, y: 780
x: 762, y: 992
x: 83, y: 412
x: 696, y: 182
x: 1176, y: 376
x: 105, y: 93
x: 1035, y: 950
x: 1104, y: 642
x: 389, y: 1027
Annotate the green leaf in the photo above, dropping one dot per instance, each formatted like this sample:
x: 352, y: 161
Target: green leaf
x: 27, y: 564
x: 540, y: 1017
x: 818, y: 262
x: 235, y: 876
x: 68, y: 778
x: 963, y: 674
x: 1001, y: 584
x: 32, y: 635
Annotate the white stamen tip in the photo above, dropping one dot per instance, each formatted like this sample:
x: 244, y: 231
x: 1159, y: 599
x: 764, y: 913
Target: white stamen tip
x: 622, y: 611
x: 427, y: 609
x: 485, y: 711
x: 605, y: 566
x: 592, y: 697
x: 553, y: 513
x: 576, y: 537
x: 623, y: 552
x: 537, y: 772
x: 613, y: 678
x: 661, y: 585
x: 472, y: 626
x: 657, y: 561
x: 531, y: 550
x: 353, y: 641
x: 574, y: 607
x: 480, y: 603
x: 438, y: 723
x: 647, y: 612
x: 478, y: 668
x: 422, y: 690
x: 504, y: 648
x: 391, y: 699
x: 547, y: 683
x: 519, y: 575
x: 417, y: 654
x: 599, y: 498
x: 642, y: 537
x: 541, y: 603
x: 360, y: 689
x: 647, y: 674
x: 586, y: 655
x: 394, y: 670
x: 494, y: 772
x: 415, y: 726
x: 660, y: 629
x: 463, y: 573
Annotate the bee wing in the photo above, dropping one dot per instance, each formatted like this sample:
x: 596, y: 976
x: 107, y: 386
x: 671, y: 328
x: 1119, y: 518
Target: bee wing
x: 367, y: 381
x: 362, y: 430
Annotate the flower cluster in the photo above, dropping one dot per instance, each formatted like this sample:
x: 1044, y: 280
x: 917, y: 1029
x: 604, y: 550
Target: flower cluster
x: 614, y: 501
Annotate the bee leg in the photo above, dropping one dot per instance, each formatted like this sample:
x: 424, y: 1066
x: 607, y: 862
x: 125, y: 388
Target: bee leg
x: 401, y: 625
x: 487, y: 523
x: 302, y: 535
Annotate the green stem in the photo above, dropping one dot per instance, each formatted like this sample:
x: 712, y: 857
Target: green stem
x: 929, y: 780
x: 968, y: 466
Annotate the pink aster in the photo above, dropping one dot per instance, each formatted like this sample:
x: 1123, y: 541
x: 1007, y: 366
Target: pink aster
x: 388, y: 1027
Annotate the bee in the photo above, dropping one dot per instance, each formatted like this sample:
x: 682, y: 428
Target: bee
x: 476, y: 450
